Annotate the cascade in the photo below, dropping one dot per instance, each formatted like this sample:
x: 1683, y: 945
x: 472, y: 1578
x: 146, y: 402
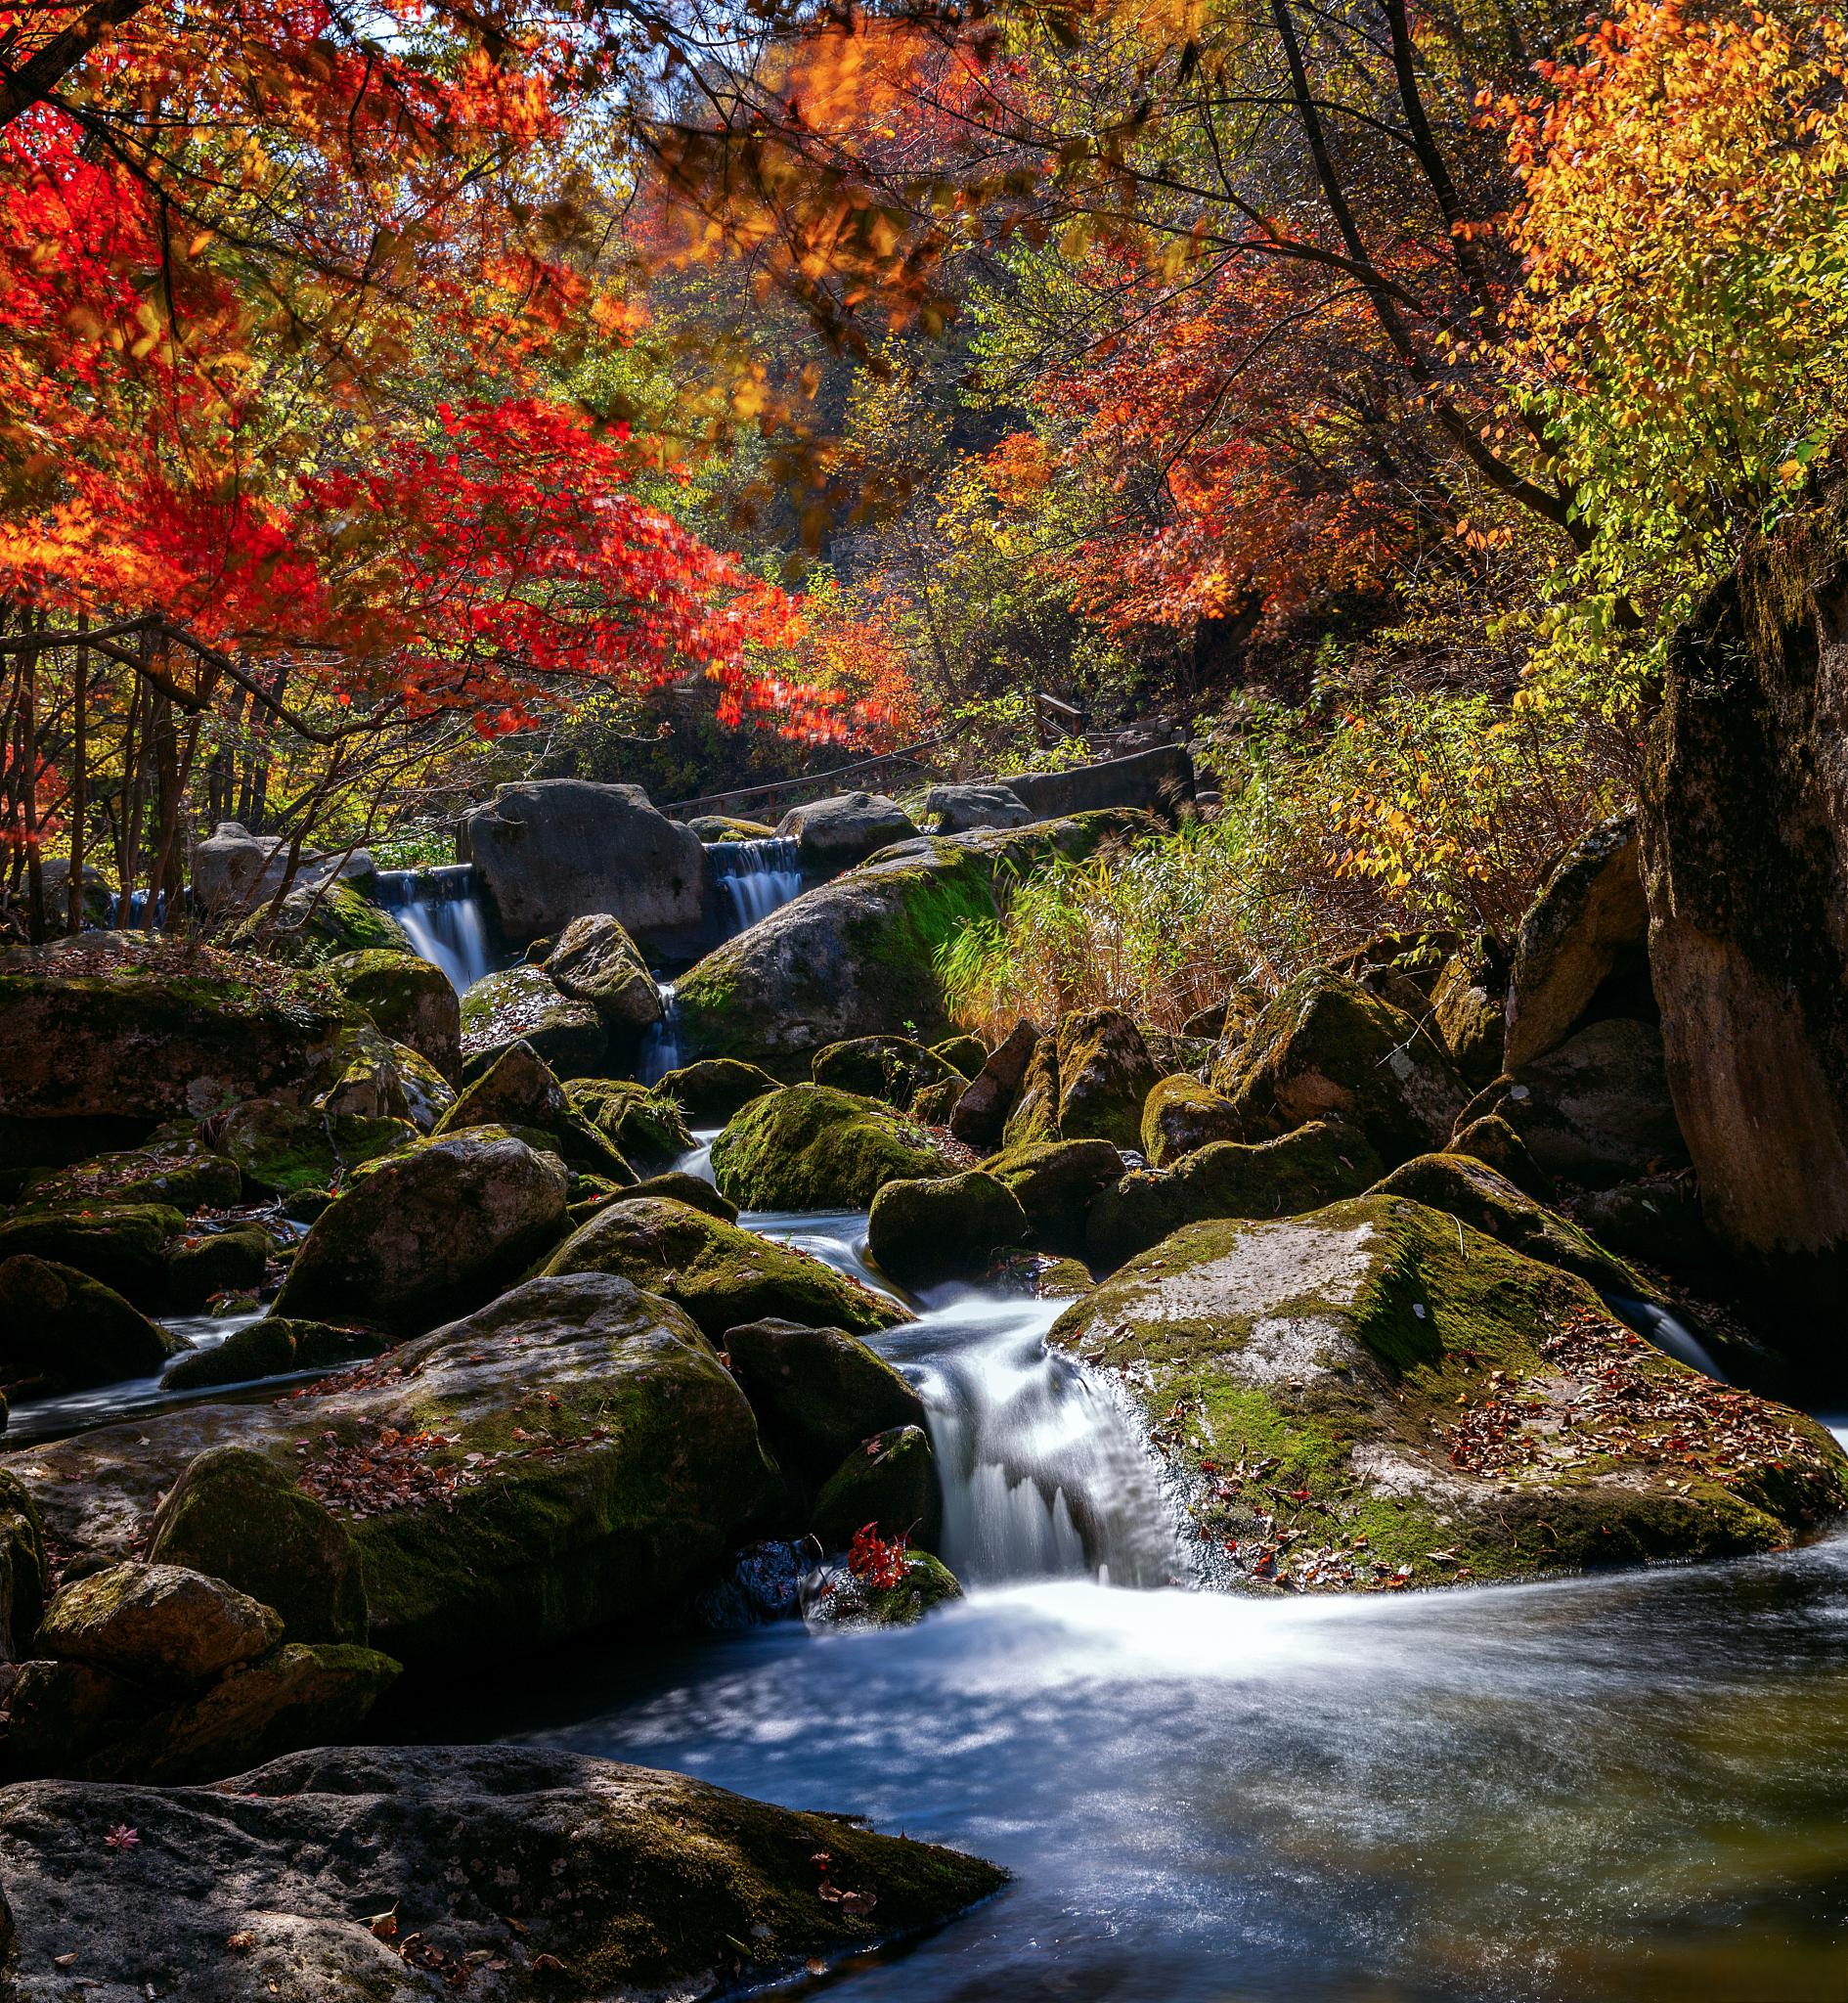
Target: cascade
x: 442, y: 914
x: 754, y: 879
x: 660, y: 1051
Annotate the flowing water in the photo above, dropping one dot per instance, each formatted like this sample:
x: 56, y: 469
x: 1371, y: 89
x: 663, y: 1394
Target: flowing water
x: 444, y: 917
x: 106, y: 1404
x: 754, y: 879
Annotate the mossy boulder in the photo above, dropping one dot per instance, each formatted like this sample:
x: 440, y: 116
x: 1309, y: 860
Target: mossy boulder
x: 889, y: 1481
x: 520, y: 1091
x: 714, y: 1088
x: 241, y: 1518
x: 1033, y: 1117
x: 1180, y: 1116
x: 1491, y: 1140
x: 1378, y: 1395
x: 716, y: 827
x: 283, y: 1149
x: 428, y: 1232
x: 124, y: 1246
x: 25, y: 1575
x: 684, y: 1187
x: 61, y: 1330
x: 204, y: 1265
x: 817, y: 1393
x: 322, y: 921
x: 630, y: 1883
x: 183, y: 1174
x: 810, y: 1147
x: 164, y: 1626
x: 275, y: 1347
x: 944, y: 1228
x: 595, y: 961
x: 409, y: 999
x: 847, y: 1599
x: 645, y: 1125
x: 1296, y: 1171
x: 721, y: 1275
x: 1468, y: 1009
x: 376, y: 1079
x: 1056, y: 1183
x: 980, y: 1115
x: 1328, y: 1048
x: 964, y: 1053
x: 893, y: 1070
x: 1105, y: 1074
x: 525, y: 1003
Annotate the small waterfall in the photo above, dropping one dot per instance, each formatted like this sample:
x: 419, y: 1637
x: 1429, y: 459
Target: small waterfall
x: 660, y: 1051
x: 1674, y: 1338
x: 441, y: 913
x: 755, y: 878
x: 138, y: 916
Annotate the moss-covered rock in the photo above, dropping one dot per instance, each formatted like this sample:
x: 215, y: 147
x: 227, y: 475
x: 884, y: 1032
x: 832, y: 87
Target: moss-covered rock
x: 161, y: 1625
x: 817, y: 1393
x: 275, y: 1347
x: 24, y: 1576
x: 944, y: 1228
x: 409, y: 999
x: 981, y: 1114
x: 1180, y: 1116
x: 61, y: 1330
x: 123, y: 1245
x: 1296, y: 1171
x: 595, y: 960
x: 1468, y: 1009
x: 524, y: 1002
x: 183, y: 1174
x: 966, y: 1054
x: 1105, y: 1073
x: 683, y: 1187
x: 645, y: 1125
x: 809, y: 1147
x: 1491, y: 1140
x: 1325, y: 1046
x: 204, y: 1265
x: 714, y: 1088
x: 428, y: 1232
x: 1056, y: 1183
x: 520, y: 1091
x: 847, y: 1599
x: 632, y: 1883
x: 286, y: 1149
x: 893, y: 1070
x: 889, y: 1481
x: 321, y: 921
x: 239, y: 1517
x: 376, y: 1079
x: 722, y: 1275
x: 716, y: 827
x: 1034, y: 1118
x: 1379, y: 1395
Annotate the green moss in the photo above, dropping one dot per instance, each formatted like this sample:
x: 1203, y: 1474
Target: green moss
x: 944, y: 1228
x: 124, y: 1246
x: 645, y: 1125
x: 1181, y: 1115
x: 809, y: 1147
x: 1056, y: 1183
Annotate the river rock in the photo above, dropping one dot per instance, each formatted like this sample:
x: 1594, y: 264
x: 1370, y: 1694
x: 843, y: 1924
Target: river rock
x: 1327, y: 1047
x: 1319, y: 1161
x: 1588, y: 926
x: 1056, y: 1183
x: 241, y: 1517
x: 714, y: 1088
x: 181, y: 1172
x: 817, y: 1393
x: 204, y: 1265
x: 1160, y: 780
x: 520, y: 1091
x: 1377, y: 1393
x: 124, y: 1246
x: 718, y: 827
x: 409, y: 999
x: 980, y: 1115
x: 684, y: 1187
x: 161, y: 1626
x: 523, y: 1004
x: 274, y: 1347
x: 1491, y: 1140
x: 892, y: 1069
x: 843, y: 1598
x: 429, y: 1231
x: 645, y: 1125
x: 597, y: 962
x: 837, y: 832
x: 1598, y: 1109
x: 621, y: 1882
x: 1656, y: 1218
x: 23, y: 1572
x: 60, y: 1329
x: 548, y: 851
x: 570, y: 1455
x: 858, y: 957
x: 809, y: 1147
x: 1105, y: 1073
x: 376, y: 1079
x: 955, y: 809
x: 286, y: 1149
x: 721, y: 1275
x: 890, y: 1481
x: 1180, y: 1116
x: 944, y: 1228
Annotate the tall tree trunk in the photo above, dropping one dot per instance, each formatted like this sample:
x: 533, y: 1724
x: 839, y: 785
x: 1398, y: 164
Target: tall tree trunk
x: 28, y: 783
x: 79, y: 782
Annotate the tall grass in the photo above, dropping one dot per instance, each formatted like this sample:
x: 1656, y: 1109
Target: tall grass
x: 1430, y: 811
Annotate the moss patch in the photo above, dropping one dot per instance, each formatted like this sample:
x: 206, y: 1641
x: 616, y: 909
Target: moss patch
x: 809, y: 1147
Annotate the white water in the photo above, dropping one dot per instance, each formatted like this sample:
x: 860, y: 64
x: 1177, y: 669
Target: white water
x: 104, y: 1405
x: 754, y: 879
x: 442, y: 914
x: 660, y: 1051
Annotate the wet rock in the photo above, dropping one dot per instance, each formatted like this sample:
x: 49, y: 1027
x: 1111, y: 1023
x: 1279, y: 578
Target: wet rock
x: 181, y: 1173
x: 944, y: 1228
x: 60, y: 1328
x: 239, y: 1517
x: 548, y: 851
x: 836, y: 833
x: 524, y: 1004
x: 274, y: 1347
x: 124, y: 1246
x: 286, y: 1149
x: 646, y: 1125
x: 980, y: 1115
x: 1056, y: 1183
x: 714, y: 1088
x: 1326, y: 1048
x: 1587, y: 927
x: 809, y: 1147
x: 716, y: 827
x: 1427, y: 1406
x: 722, y: 1275
x: 410, y: 1000
x: 843, y: 1598
x: 519, y: 1091
x: 423, y: 1233
x: 1301, y: 1171
x: 204, y: 1265
x: 1180, y: 1116
x: 685, y: 1188
x: 892, y: 1069
x: 889, y: 1481
x: 955, y: 809
x: 161, y: 1626
x: 817, y: 1393
x: 631, y: 1883
x: 595, y: 960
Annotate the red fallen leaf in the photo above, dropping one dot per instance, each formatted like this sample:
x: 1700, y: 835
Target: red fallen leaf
x: 549, y: 1961
x: 122, y: 1838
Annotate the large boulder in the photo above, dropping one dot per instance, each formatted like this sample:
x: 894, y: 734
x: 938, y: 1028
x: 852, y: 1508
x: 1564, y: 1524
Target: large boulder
x: 1180, y: 1116
x: 286, y: 1149
x: 1159, y: 779
x: 520, y: 1091
x: 1328, y: 1048
x: 272, y: 1347
x: 410, y: 1000
x: 1597, y: 1111
x: 894, y: 1069
x: 713, y: 1088
x: 124, y: 1246
x: 983, y: 803
x: 817, y: 1393
x: 1588, y: 927
x: 1378, y: 1395
x: 1105, y: 1074
x: 1469, y: 1004
x: 162, y: 1627
x: 837, y: 832
x: 524, y: 1005
x: 61, y: 1330
x: 858, y: 957
x: 944, y: 1228
x: 1056, y: 1183
x: 1303, y: 1169
x: 376, y: 1079
x: 597, y: 962
x: 645, y: 1125
x: 889, y: 1482
x: 980, y: 1115
x: 544, y: 1874
x: 178, y: 1171
x: 428, y: 1232
x: 570, y: 1455
x: 719, y: 1273
x: 809, y: 1147
x: 548, y: 851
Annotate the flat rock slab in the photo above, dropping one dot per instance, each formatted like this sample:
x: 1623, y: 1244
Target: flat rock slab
x: 381, y: 1873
